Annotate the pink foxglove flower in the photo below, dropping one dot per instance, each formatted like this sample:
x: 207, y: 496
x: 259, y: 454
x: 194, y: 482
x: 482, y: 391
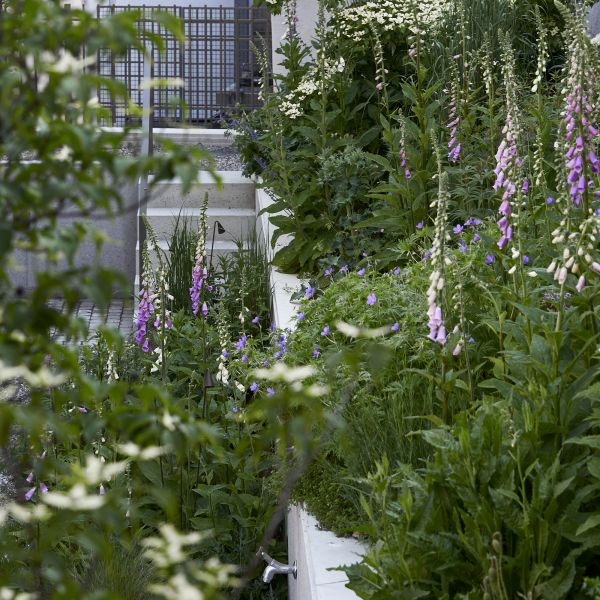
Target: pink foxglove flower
x: 199, y: 271
x: 453, y: 124
x: 508, y: 162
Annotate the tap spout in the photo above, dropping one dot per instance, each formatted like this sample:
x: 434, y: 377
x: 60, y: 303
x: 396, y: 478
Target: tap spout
x: 274, y: 567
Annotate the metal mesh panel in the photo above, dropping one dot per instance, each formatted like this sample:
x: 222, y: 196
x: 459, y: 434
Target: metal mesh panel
x: 219, y: 71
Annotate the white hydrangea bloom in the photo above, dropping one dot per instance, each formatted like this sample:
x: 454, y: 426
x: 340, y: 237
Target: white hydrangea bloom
x: 388, y: 15
x: 309, y: 85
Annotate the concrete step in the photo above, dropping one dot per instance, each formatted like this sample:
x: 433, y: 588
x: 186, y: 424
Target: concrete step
x: 238, y: 222
x: 236, y: 191
x: 222, y: 248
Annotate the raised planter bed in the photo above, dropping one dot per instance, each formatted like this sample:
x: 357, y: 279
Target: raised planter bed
x: 315, y: 550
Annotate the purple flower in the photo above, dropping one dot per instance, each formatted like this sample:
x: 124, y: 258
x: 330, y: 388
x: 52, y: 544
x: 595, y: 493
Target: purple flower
x: 256, y: 320
x: 43, y: 487
x: 145, y: 310
x: 254, y: 386
x: 309, y: 292
x: 507, y: 173
x: 549, y: 200
x: 101, y: 490
x: 395, y: 326
x: 265, y: 363
x: 344, y: 269
x: 145, y: 346
x: 458, y: 229
x: 282, y: 343
x: 328, y: 272
x: 397, y: 271
x: 234, y: 409
x: 197, y: 283
x: 82, y: 409
x: 361, y: 272
x: 476, y: 237
x: 260, y: 162
x: 277, y: 355
x: 29, y: 494
x: 580, y: 133
x: 300, y: 316
x: 204, y: 309
x: 436, y: 324
x: 525, y: 186
x: 326, y: 331
x: 462, y: 247
x: 489, y: 259
x: 29, y: 478
x: 427, y: 254
x: 315, y: 353
x: 453, y: 125
x: 525, y: 260
x: 471, y: 340
x: 441, y: 335
x: 371, y: 299
x: 420, y: 225
x: 245, y: 358
x: 224, y: 353
x: 241, y: 342
x: 270, y: 392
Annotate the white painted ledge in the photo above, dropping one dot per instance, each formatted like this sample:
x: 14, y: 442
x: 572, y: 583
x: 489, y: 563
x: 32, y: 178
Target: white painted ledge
x: 314, y: 549
x: 317, y: 551
x: 183, y: 135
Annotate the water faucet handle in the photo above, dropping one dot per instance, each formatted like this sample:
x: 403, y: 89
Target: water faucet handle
x: 276, y: 566
x: 260, y: 552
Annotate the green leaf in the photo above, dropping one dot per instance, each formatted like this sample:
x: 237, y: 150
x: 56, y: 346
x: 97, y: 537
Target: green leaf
x: 589, y: 523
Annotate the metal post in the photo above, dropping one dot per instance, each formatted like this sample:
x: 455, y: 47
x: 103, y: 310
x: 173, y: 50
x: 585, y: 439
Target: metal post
x: 182, y: 68
x: 146, y: 150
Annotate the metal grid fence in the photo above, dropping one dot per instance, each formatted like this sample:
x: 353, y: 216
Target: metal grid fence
x: 216, y: 64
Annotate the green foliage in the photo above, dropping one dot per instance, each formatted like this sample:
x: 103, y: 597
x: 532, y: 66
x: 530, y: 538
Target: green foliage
x: 380, y: 404
x: 121, y: 488
x: 340, y: 109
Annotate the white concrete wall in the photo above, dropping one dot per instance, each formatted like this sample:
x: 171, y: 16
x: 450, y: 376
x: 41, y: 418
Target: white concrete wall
x: 315, y: 550
x: 307, y: 11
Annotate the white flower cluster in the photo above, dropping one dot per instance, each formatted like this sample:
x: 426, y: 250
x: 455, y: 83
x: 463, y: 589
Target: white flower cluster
x: 437, y: 329
x: 162, y: 324
x: 578, y: 247
x: 309, y: 84
x: 388, y: 15
x: 222, y: 370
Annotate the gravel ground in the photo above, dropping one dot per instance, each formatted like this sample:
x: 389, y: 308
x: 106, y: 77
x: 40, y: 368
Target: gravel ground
x: 227, y: 158
x: 15, y: 392
x: 119, y: 315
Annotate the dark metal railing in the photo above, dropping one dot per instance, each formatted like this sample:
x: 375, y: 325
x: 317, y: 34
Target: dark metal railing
x: 216, y: 64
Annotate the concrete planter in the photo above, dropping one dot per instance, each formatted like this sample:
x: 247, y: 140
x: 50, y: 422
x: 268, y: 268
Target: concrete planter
x: 315, y: 550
